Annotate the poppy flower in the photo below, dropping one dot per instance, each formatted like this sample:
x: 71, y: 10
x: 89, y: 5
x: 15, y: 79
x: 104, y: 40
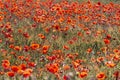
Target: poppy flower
x: 106, y: 41
x: 11, y: 46
x: 65, y: 77
x: 66, y: 67
x: 22, y: 66
x: 116, y: 51
x: 11, y: 74
x: 108, y: 36
x: 0, y: 40
x: 34, y: 46
x: 116, y: 74
x: 31, y: 64
x: 100, y: 59
x: 41, y: 36
x: 26, y: 35
x: 1, y: 18
x: 21, y: 57
x: 53, y: 68
x: 82, y: 74
x: 26, y: 48
x: 116, y: 58
x: 110, y: 64
x: 17, y: 48
x: 89, y: 50
x: 14, y: 68
x: 27, y: 73
x: 66, y: 47
x: 1, y: 73
x: 75, y: 64
x: 20, y: 72
x: 5, y: 64
x: 29, y: 70
x: 101, y: 76
x: 45, y: 49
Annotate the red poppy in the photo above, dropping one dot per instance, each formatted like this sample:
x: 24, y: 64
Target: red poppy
x: 17, y: 48
x: 41, y: 36
x: 83, y: 74
x: 106, y: 41
x: 11, y: 74
x: 53, y: 68
x: 5, y: 64
x: 45, y: 49
x: 35, y: 46
x: 14, y: 68
x: 101, y: 76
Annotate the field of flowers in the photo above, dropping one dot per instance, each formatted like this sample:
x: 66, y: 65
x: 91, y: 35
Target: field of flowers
x: 59, y: 40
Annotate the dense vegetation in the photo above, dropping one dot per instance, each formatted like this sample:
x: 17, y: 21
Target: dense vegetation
x: 59, y: 40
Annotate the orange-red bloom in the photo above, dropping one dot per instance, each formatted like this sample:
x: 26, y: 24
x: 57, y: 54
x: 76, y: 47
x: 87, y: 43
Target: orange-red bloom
x: 14, y: 68
x: 5, y: 64
x: 41, y: 36
x: 106, y: 41
x: 35, y: 46
x: 110, y: 64
x: 89, y: 50
x: 18, y: 48
x: 45, y: 49
x: 27, y: 73
x: 11, y: 74
x: 66, y: 67
x: 83, y: 74
x: 101, y: 76
x: 53, y: 68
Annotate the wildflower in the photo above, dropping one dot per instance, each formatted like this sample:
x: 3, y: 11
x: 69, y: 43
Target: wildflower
x: 116, y: 74
x: 75, y: 64
x: 20, y: 72
x: 101, y: 76
x: 27, y: 73
x: 22, y: 66
x: 11, y: 74
x: 26, y: 35
x: 108, y: 36
x: 83, y: 74
x: 11, y: 46
x: 1, y: 73
x: 116, y: 58
x: 53, y: 68
x: 35, y: 46
x: 21, y: 57
x: 5, y: 64
x: 106, y: 41
x: 0, y: 40
x: 71, y: 56
x: 26, y: 48
x: 14, y: 68
x: 45, y: 49
x: 100, y: 59
x: 65, y: 77
x: 17, y: 48
x: 66, y: 47
x: 41, y: 36
x: 31, y: 64
x: 80, y: 34
x: 1, y: 18
x: 110, y: 64
x: 89, y: 50
x: 66, y: 67
x: 116, y: 51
